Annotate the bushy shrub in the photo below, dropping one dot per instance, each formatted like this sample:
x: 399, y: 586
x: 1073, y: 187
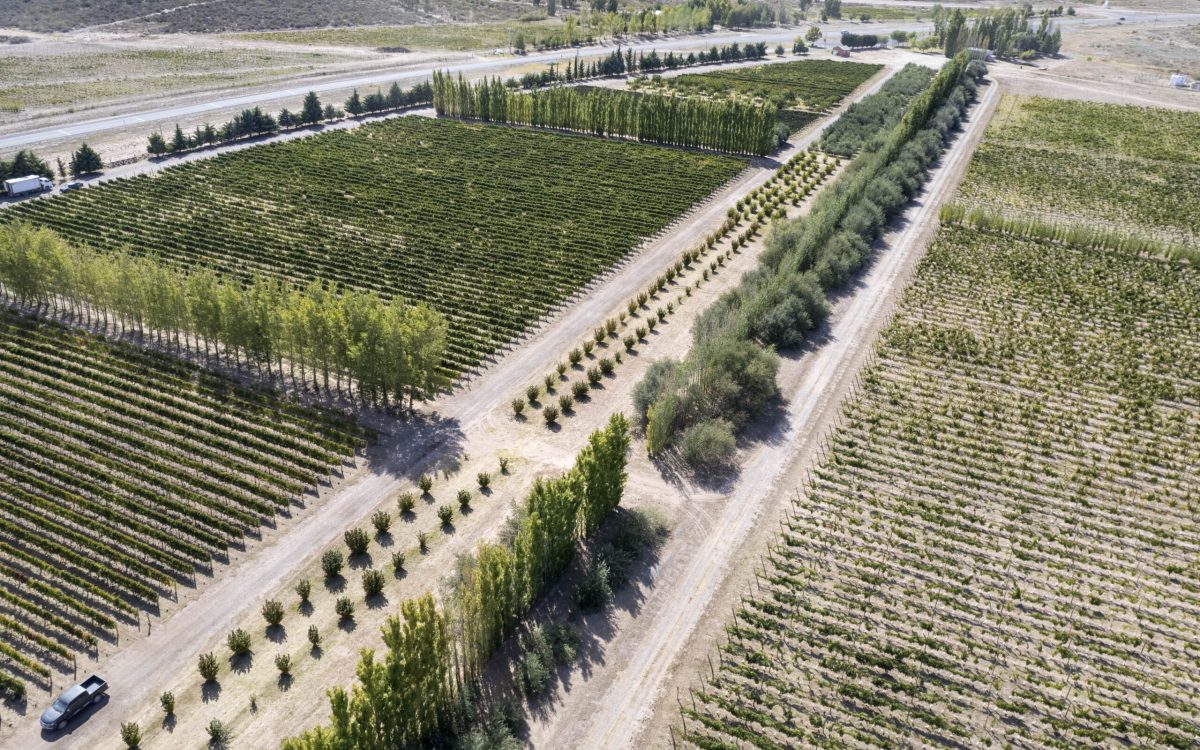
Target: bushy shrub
x: 550, y: 414
x: 425, y: 483
x: 208, y: 666
x: 708, y: 445
x: 595, y: 590
x: 219, y: 735
x: 445, y: 514
x: 372, y: 583
x: 303, y: 589
x: 464, y: 499
x: 397, y: 561
x: 356, y: 540
x: 565, y: 402
x: 382, y: 521
x: 331, y: 563
x: 406, y: 502
x: 283, y: 663
x: 272, y: 612
x: 580, y: 388
x: 314, y: 635
x: 238, y: 642
x: 344, y: 608
x: 167, y: 701
x: 483, y: 479
x: 131, y: 735
x: 532, y: 393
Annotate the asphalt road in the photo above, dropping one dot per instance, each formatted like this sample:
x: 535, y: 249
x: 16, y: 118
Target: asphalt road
x: 409, y: 75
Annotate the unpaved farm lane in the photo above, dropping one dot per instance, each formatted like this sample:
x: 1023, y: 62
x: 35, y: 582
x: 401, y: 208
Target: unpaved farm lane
x: 673, y: 610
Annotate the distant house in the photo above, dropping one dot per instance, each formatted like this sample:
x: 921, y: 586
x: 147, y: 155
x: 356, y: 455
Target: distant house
x: 1179, y: 80
x: 840, y: 52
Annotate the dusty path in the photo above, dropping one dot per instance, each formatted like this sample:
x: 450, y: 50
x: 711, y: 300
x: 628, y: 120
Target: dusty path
x: 142, y: 668
x: 615, y: 705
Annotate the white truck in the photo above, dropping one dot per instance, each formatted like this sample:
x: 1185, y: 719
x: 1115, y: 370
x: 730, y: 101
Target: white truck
x: 25, y: 185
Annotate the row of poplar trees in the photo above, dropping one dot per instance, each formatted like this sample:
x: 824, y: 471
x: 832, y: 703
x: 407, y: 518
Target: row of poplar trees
x: 436, y: 653
x: 390, y: 350
x: 720, y: 124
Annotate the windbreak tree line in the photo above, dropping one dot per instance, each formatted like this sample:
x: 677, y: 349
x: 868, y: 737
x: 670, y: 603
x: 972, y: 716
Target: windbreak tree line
x: 866, y: 123
x: 24, y: 163
x: 728, y: 377
x: 255, y: 122
x: 724, y: 125
x: 390, y: 350
x: 421, y: 692
x: 618, y: 63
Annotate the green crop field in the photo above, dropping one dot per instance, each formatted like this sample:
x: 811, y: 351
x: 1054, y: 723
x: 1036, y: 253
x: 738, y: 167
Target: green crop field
x: 492, y: 226
x: 1130, y: 168
x: 999, y: 548
x: 811, y: 84
x: 120, y: 472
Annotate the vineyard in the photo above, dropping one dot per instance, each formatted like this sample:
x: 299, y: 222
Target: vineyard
x: 491, y: 226
x: 811, y: 84
x: 1001, y: 544
x: 998, y: 548
x: 1099, y: 163
x: 121, y: 472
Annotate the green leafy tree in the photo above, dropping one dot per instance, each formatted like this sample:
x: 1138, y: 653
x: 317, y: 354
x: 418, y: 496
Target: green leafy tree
x: 179, y: 141
x: 311, y: 112
x: 85, y: 160
x: 354, y: 104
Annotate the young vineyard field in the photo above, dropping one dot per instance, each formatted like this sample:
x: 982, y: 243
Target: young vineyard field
x: 1000, y: 548
x: 492, y: 226
x: 812, y: 84
x: 120, y: 472
x: 1114, y: 165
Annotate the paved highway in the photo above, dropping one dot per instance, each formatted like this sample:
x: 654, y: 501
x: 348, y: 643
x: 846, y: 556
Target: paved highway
x: 171, y: 114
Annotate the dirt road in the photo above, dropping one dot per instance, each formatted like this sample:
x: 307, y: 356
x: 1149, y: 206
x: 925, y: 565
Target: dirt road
x: 613, y: 706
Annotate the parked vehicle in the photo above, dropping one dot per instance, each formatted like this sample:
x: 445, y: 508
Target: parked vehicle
x: 25, y: 185
x: 72, y: 701
x: 72, y: 185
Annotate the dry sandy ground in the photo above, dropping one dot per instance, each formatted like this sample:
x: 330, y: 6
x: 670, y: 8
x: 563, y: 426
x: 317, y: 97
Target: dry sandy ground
x: 456, y: 438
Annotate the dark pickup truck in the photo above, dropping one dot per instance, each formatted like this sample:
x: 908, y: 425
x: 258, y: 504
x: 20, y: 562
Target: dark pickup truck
x: 72, y: 701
